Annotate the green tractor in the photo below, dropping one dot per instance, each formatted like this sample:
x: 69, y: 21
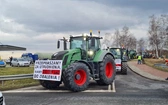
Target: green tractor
x: 84, y: 60
x: 121, y: 57
x: 133, y: 54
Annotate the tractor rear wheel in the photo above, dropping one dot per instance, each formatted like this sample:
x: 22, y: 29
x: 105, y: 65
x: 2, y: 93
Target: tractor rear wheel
x: 50, y: 84
x: 107, y: 71
x: 124, y: 68
x: 76, y: 77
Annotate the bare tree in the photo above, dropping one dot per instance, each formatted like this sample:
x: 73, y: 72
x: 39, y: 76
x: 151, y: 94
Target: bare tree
x: 141, y: 45
x: 116, y: 38
x: 107, y: 39
x: 153, y: 33
x: 123, y: 39
x: 127, y: 39
x: 158, y: 32
x: 120, y: 39
x: 132, y: 42
x: 163, y: 26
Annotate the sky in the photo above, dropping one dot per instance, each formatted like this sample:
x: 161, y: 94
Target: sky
x: 37, y: 24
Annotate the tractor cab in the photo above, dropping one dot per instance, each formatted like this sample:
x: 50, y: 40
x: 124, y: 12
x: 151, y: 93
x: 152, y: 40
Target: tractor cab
x: 119, y: 53
x: 116, y: 52
x: 88, y: 44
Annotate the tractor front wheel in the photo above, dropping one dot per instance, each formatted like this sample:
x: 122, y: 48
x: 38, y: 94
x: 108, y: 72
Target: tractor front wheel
x: 50, y: 84
x: 107, y: 71
x: 76, y: 77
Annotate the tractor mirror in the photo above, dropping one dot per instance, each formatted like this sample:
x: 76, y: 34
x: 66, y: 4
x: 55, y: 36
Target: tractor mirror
x: 58, y: 44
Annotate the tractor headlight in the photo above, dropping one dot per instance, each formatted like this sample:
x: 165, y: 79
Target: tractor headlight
x: 90, y: 52
x: 84, y: 36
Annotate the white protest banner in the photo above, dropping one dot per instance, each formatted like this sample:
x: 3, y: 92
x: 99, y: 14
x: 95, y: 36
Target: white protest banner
x: 118, y: 64
x: 48, y: 70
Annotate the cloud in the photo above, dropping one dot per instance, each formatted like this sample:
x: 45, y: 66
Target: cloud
x: 61, y: 16
x: 139, y: 31
x: 36, y: 24
x: 8, y: 25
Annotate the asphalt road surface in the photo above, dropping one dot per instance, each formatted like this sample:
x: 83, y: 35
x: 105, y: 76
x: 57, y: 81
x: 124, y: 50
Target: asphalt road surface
x: 130, y: 89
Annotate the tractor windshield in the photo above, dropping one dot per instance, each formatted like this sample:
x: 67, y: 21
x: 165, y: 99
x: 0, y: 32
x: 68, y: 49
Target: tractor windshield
x: 77, y: 42
x: 116, y: 52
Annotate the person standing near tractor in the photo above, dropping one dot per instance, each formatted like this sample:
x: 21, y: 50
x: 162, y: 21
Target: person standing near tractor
x: 139, y: 59
x: 10, y: 58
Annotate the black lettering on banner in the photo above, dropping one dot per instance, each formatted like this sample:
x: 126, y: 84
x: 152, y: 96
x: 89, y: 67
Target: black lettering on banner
x: 49, y: 77
x: 38, y: 71
x: 58, y: 67
x: 49, y: 67
x: 40, y: 76
x: 35, y: 76
x: 36, y: 66
x: 43, y: 62
x: 58, y: 77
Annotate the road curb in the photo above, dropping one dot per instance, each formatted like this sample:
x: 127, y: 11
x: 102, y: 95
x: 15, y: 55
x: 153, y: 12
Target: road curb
x: 144, y: 74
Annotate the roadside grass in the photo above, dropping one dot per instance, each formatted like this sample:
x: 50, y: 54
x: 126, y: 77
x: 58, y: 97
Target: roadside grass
x: 15, y: 70
x: 15, y: 84
x: 150, y: 62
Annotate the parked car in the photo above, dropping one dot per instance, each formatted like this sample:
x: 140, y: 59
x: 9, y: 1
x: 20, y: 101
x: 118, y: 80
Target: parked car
x: 2, y: 99
x: 28, y: 59
x: 7, y: 61
x: 2, y: 63
x: 20, y: 62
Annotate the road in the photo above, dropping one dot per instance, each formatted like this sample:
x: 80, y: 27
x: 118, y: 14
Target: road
x: 130, y: 89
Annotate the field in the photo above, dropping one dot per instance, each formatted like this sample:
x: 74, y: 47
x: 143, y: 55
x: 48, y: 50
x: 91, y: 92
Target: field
x: 151, y: 62
x: 13, y: 84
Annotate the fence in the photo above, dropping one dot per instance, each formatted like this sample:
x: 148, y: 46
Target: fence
x: 14, y: 77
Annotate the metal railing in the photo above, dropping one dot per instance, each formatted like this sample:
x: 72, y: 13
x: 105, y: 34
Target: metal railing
x: 14, y: 77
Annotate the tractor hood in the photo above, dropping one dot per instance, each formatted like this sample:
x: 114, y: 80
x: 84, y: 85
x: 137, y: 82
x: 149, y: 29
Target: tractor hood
x: 67, y: 56
x: 59, y: 55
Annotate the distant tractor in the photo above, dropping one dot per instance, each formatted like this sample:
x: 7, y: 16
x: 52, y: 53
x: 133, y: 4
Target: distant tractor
x: 133, y: 54
x: 121, y: 58
x: 84, y: 60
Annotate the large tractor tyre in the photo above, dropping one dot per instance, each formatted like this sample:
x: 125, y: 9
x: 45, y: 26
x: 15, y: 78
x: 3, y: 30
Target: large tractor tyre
x: 50, y: 84
x: 124, y: 68
x: 76, y: 77
x: 107, y: 71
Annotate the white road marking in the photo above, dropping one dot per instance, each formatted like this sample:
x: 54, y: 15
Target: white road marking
x: 48, y: 91
x: 111, y: 88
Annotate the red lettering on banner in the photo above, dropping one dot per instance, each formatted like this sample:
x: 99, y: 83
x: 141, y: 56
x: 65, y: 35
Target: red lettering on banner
x: 118, y: 64
x: 55, y: 72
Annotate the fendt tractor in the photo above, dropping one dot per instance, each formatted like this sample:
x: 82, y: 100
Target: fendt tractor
x: 121, y: 58
x: 82, y: 61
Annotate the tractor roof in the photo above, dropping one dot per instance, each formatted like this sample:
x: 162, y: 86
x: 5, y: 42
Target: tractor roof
x: 115, y: 48
x: 87, y: 35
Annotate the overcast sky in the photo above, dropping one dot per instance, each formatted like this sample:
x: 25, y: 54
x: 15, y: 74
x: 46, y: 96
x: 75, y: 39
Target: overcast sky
x: 36, y: 24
